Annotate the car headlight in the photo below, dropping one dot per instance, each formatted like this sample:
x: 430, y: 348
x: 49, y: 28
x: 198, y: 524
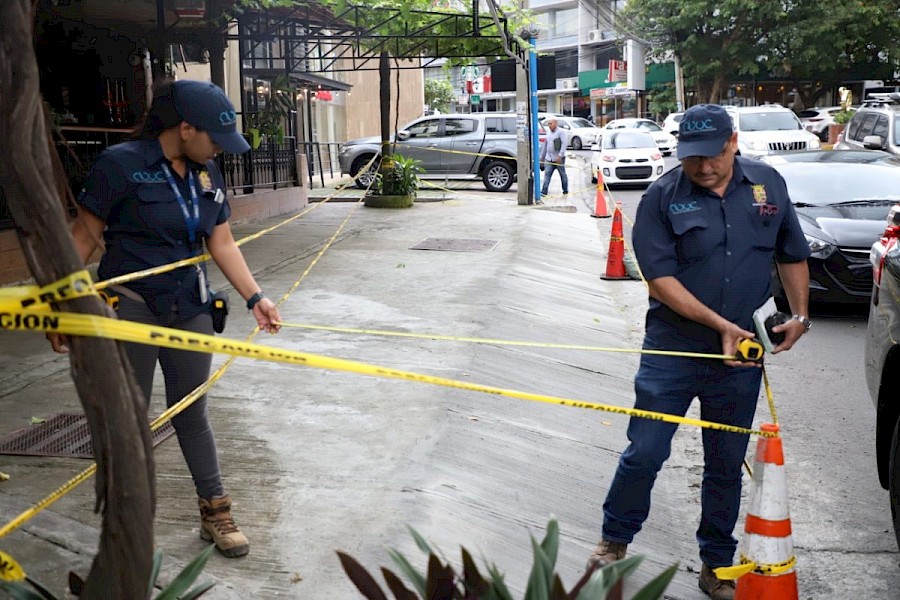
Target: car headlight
x: 819, y: 248
x: 757, y: 145
x: 814, y: 144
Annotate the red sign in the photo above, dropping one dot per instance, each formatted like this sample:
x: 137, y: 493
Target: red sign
x: 618, y: 71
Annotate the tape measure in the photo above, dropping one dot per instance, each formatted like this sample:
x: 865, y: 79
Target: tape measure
x: 750, y: 350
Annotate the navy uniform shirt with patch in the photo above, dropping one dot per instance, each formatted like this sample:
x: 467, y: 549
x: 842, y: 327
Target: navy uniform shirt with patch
x: 145, y: 226
x: 720, y: 249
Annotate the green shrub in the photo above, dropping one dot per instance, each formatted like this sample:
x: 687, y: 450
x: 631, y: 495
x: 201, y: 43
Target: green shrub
x: 398, y: 176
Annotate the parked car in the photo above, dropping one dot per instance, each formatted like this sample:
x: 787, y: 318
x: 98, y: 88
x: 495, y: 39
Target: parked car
x: 817, y: 120
x: 581, y: 131
x: 454, y: 146
x: 841, y: 199
x: 626, y: 156
x: 769, y: 129
x: 670, y: 124
x: 882, y: 358
x: 874, y: 125
x: 666, y: 142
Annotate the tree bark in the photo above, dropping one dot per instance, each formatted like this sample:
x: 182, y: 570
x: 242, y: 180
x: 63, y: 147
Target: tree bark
x: 112, y: 401
x: 384, y: 72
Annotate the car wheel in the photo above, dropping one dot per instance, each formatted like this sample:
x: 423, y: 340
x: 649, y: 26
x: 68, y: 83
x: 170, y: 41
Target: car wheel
x: 576, y: 143
x: 497, y: 176
x: 894, y: 483
x: 364, y: 180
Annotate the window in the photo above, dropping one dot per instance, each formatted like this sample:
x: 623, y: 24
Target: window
x: 425, y: 129
x: 881, y: 128
x: 566, y: 22
x: 459, y: 126
x: 853, y: 126
x: 867, y: 126
x: 500, y: 124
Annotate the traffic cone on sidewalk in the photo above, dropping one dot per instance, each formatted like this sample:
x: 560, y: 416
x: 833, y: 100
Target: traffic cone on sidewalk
x: 601, y: 208
x: 767, y: 551
x: 615, y: 258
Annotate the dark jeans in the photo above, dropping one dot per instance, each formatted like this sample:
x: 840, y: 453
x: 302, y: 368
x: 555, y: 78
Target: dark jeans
x: 669, y: 385
x: 183, y: 371
x: 548, y: 173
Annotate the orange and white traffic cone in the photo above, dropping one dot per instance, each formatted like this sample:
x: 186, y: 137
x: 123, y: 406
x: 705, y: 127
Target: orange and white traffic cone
x: 767, y: 551
x: 615, y: 259
x: 601, y: 208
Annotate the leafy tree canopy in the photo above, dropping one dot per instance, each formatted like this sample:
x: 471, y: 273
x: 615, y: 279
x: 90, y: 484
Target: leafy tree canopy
x: 718, y: 40
x: 439, y: 94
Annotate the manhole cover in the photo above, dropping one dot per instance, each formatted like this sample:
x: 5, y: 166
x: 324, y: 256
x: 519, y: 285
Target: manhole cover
x: 65, y: 435
x: 455, y: 245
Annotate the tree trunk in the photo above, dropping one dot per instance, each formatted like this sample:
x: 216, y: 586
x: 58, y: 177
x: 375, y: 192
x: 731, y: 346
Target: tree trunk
x: 111, y: 399
x: 384, y: 72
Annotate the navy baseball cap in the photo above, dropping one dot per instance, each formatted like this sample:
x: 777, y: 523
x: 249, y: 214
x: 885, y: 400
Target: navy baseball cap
x: 703, y: 131
x: 205, y: 106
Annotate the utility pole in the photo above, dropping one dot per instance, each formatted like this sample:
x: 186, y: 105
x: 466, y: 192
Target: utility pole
x: 679, y: 84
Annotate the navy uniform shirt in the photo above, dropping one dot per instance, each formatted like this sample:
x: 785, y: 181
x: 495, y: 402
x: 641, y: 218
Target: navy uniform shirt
x: 720, y: 249
x: 145, y: 225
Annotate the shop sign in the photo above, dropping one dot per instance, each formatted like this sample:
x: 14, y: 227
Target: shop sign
x: 618, y: 71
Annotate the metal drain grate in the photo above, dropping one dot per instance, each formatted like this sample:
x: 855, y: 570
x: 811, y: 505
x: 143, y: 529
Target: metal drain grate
x: 455, y: 245
x: 65, y: 435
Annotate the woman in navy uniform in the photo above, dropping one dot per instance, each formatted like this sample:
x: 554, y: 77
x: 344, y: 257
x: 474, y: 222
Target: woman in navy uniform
x: 156, y: 200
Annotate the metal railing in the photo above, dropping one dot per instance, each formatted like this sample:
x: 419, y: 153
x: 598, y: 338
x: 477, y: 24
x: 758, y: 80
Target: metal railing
x: 270, y: 166
x: 321, y: 158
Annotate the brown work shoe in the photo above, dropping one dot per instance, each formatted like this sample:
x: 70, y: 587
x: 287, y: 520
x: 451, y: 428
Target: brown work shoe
x: 217, y: 525
x: 715, y: 588
x: 606, y: 552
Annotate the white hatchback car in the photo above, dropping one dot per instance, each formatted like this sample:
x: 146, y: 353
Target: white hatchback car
x: 670, y: 125
x: 770, y: 129
x: 666, y: 142
x: 626, y: 156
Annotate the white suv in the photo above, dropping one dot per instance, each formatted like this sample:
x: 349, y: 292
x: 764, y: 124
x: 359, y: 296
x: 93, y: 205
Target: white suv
x: 769, y: 129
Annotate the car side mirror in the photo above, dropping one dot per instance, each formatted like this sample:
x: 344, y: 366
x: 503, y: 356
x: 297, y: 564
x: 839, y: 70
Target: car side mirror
x: 403, y: 135
x: 873, y: 142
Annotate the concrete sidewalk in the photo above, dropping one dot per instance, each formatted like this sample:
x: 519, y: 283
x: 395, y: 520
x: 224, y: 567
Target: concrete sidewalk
x: 321, y: 460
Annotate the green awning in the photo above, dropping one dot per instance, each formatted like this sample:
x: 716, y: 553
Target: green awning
x: 657, y: 73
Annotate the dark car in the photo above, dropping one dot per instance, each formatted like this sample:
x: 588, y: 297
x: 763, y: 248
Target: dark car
x: 883, y: 358
x: 842, y: 199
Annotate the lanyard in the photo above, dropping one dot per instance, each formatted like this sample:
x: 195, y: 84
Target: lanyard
x: 191, y: 221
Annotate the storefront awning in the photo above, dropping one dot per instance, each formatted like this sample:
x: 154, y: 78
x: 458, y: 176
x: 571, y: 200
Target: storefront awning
x: 657, y: 74
x: 302, y: 79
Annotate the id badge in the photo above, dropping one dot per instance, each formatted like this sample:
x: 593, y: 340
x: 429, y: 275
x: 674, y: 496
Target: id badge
x: 201, y: 281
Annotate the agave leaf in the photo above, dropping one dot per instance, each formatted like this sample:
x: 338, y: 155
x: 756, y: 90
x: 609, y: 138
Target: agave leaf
x: 198, y: 591
x: 497, y: 583
x: 550, y: 545
x: 440, y: 579
x: 602, y: 580
x: 395, y: 584
x: 558, y: 590
x: 187, y: 577
x: 361, y: 578
x: 655, y: 589
x: 18, y: 591
x: 472, y: 578
x: 541, y: 574
x: 154, y: 573
x: 417, y: 579
x: 420, y: 541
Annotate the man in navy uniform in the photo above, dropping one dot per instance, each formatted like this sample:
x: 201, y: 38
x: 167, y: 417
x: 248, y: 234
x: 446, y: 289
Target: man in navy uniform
x: 705, y: 236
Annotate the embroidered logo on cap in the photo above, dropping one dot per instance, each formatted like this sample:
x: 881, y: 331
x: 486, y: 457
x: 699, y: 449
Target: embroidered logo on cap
x: 227, y: 117
x: 698, y: 126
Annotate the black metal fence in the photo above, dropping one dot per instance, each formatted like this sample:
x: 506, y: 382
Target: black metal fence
x: 321, y: 159
x: 270, y: 166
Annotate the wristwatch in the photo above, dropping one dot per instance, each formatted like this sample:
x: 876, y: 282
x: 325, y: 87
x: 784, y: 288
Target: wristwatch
x: 805, y: 320
x: 252, y: 300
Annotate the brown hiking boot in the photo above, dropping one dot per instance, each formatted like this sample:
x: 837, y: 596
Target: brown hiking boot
x: 715, y: 588
x: 606, y: 552
x: 216, y: 525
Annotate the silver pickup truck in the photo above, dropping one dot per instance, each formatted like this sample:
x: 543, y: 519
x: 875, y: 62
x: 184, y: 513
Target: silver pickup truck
x: 454, y: 146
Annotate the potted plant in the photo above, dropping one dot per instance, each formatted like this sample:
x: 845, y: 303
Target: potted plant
x: 395, y: 184
x: 841, y: 118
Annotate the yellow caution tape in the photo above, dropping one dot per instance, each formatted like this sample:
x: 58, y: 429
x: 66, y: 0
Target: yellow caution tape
x: 33, y: 297
x: 748, y: 566
x: 10, y: 569
x: 94, y: 326
x: 494, y: 342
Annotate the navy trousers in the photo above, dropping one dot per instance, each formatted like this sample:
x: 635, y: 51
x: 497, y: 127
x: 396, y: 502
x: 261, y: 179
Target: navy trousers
x: 669, y: 384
